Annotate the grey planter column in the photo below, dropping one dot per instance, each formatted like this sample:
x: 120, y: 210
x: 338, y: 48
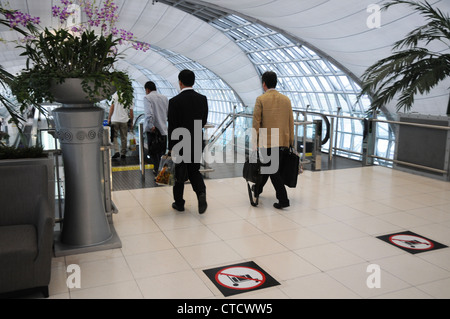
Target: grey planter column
x: 80, y: 131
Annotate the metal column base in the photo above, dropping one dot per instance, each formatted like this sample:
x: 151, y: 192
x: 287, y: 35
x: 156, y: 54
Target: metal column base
x: 61, y: 249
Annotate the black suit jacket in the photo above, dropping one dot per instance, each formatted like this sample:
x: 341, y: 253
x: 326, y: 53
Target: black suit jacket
x: 184, y: 110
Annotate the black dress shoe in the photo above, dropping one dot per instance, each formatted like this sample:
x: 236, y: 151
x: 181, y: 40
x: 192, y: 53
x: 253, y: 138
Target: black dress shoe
x: 280, y: 205
x: 116, y: 155
x: 202, y: 205
x: 177, y: 207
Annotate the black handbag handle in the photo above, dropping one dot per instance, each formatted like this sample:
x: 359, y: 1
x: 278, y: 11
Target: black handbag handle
x: 253, y: 202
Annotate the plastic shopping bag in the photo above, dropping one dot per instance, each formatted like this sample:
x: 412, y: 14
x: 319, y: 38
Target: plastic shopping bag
x: 166, y: 174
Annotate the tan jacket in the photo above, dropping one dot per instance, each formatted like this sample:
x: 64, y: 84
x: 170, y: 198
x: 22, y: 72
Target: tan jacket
x: 273, y: 110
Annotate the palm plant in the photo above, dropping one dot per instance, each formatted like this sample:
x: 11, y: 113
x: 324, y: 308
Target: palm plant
x: 412, y: 69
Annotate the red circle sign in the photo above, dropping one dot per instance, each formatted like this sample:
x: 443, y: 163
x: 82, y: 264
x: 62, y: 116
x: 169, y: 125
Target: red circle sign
x: 240, y: 278
x: 411, y: 242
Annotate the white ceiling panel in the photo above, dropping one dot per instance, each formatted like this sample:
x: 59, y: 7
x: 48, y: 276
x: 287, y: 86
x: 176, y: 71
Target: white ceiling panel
x: 336, y: 29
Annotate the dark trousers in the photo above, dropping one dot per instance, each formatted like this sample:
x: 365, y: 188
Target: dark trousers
x: 183, y: 172
x: 155, y: 157
x: 275, y: 178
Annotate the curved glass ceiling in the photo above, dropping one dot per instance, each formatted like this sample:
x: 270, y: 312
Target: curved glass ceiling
x: 304, y: 76
x: 221, y: 98
x: 310, y: 81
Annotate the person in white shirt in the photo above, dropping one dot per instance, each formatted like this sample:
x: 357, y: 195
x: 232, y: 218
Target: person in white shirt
x: 119, y: 118
x: 156, y: 107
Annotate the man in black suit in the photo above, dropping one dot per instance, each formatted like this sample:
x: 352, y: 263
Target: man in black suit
x: 188, y: 113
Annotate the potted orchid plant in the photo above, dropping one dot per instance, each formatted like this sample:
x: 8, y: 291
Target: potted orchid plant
x: 84, y: 50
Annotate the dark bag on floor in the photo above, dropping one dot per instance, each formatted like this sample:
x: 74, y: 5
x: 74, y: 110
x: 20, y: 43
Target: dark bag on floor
x: 290, y: 168
x: 252, y: 174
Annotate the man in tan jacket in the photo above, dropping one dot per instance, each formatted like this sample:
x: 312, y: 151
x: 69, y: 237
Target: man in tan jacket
x: 273, y: 123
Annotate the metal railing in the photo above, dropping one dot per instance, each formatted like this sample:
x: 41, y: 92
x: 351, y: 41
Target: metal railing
x: 368, y: 145
x: 367, y: 154
x: 428, y: 126
x: 230, y: 121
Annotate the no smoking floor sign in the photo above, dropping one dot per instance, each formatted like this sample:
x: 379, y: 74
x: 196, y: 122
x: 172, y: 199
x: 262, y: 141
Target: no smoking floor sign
x: 411, y: 242
x: 239, y: 278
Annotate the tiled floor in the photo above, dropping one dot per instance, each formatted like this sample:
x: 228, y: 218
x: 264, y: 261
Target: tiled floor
x: 319, y: 247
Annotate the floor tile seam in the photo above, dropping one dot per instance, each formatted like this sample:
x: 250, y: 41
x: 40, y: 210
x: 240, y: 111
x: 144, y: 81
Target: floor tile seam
x: 227, y: 221
x: 196, y: 244
x: 359, y: 237
x: 193, y: 270
x: 136, y: 200
x: 159, y: 226
x: 364, y: 202
x: 268, y: 268
x: 141, y: 253
x: 293, y: 251
x: 422, y: 285
x: 131, y: 271
x: 329, y: 242
x: 304, y: 247
x: 328, y: 272
x: 66, y: 276
x: 142, y: 203
x: 147, y: 232
x: 433, y: 264
x: 376, y: 261
x: 223, y: 241
x: 370, y: 260
x: 273, y: 273
x: 200, y: 244
x: 431, y: 221
x: 409, y: 284
x: 71, y: 290
x: 258, y: 255
x: 427, y: 222
x: 395, y: 206
x: 238, y: 237
x: 412, y: 199
x: 137, y: 278
x: 441, y: 210
x: 169, y: 214
x: 400, y: 228
x: 338, y: 243
x: 399, y: 290
x: 254, y: 222
x: 312, y: 227
x: 100, y: 259
x: 178, y: 227
x: 322, y: 272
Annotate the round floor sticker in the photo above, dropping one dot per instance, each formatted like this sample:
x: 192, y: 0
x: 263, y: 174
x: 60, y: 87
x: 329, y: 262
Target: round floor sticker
x: 411, y: 242
x: 240, y: 278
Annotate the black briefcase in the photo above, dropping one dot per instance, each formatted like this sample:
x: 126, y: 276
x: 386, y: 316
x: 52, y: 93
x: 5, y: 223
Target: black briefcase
x: 289, y: 169
x: 252, y: 174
